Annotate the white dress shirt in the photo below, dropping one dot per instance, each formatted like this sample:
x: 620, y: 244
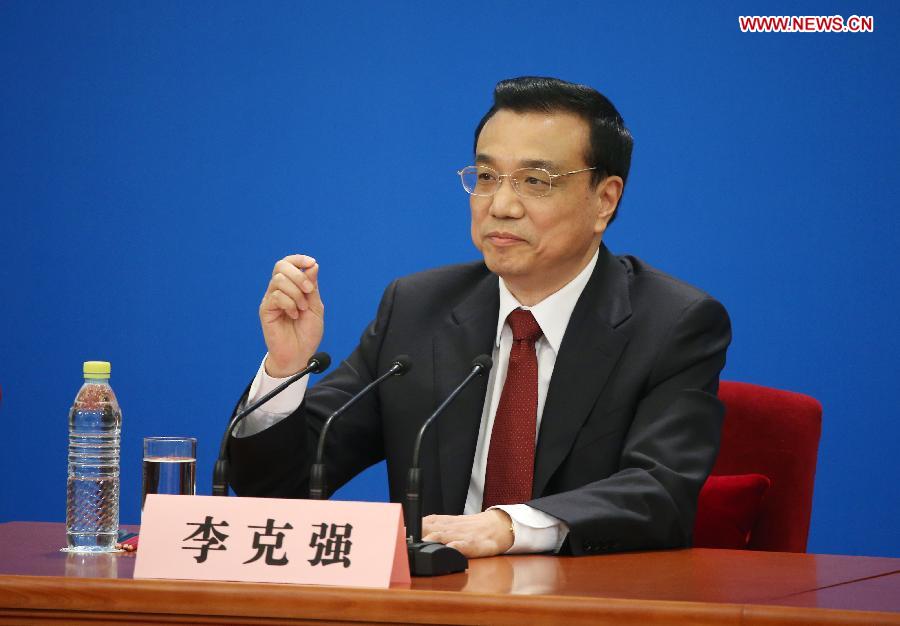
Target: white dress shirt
x: 535, y: 531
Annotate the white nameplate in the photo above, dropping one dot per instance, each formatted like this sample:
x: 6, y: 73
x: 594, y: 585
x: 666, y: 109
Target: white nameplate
x: 315, y: 542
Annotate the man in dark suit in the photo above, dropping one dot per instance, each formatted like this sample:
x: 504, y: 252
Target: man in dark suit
x: 599, y: 421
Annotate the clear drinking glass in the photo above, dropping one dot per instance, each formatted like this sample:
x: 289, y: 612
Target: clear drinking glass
x: 170, y: 466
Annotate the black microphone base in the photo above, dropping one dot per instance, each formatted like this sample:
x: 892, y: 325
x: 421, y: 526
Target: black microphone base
x: 429, y: 558
x: 219, y: 481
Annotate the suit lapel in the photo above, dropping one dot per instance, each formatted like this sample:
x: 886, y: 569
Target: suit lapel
x: 589, y: 351
x: 469, y: 331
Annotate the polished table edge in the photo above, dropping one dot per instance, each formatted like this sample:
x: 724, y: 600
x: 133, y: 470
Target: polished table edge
x: 31, y: 597
x: 121, y: 600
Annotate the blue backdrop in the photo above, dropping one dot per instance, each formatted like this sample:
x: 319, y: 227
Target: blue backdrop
x: 156, y: 159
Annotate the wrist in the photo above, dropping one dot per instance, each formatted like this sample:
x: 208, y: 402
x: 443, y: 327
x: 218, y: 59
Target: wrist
x: 507, y: 531
x: 275, y: 371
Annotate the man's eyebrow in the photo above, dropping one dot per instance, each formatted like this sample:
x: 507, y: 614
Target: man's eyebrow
x: 544, y: 164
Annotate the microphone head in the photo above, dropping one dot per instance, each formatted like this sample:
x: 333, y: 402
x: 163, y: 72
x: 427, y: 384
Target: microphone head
x: 319, y: 362
x: 402, y: 364
x: 484, y: 362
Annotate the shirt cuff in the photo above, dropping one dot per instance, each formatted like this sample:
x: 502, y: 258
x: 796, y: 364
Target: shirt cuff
x: 533, y: 530
x: 275, y: 409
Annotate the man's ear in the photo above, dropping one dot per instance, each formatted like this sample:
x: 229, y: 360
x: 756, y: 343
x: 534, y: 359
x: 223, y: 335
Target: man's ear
x: 608, y: 193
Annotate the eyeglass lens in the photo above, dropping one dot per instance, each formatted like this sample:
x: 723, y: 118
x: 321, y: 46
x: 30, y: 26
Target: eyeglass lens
x: 480, y: 180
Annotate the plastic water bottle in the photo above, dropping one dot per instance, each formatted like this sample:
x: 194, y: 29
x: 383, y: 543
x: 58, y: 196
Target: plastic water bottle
x: 92, y: 503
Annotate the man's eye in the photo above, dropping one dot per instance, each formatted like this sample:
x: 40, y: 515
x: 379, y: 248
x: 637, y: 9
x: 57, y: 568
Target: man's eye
x: 486, y: 177
x: 533, y: 181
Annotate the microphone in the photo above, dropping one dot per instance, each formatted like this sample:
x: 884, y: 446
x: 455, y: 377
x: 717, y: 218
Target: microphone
x: 430, y: 558
x: 317, y: 483
x: 317, y: 364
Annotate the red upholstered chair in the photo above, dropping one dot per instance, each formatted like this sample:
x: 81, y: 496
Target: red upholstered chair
x: 767, y: 432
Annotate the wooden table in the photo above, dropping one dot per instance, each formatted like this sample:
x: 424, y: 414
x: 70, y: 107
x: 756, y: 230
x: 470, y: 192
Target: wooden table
x: 40, y: 585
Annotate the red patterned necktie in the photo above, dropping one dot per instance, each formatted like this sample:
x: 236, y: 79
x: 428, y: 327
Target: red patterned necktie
x: 510, y: 464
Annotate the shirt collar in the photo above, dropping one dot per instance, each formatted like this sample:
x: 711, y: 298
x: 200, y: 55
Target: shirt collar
x: 553, y: 312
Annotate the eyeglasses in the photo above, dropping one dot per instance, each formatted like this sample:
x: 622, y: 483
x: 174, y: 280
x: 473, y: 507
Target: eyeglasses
x: 528, y: 182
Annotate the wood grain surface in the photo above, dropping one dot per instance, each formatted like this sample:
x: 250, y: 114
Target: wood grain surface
x: 40, y: 585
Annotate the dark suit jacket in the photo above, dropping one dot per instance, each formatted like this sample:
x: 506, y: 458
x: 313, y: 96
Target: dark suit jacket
x: 631, y: 423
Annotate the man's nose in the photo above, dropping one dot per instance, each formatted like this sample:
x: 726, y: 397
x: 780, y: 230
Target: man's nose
x: 506, y: 203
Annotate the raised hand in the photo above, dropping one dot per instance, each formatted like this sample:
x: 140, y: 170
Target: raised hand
x: 292, y: 315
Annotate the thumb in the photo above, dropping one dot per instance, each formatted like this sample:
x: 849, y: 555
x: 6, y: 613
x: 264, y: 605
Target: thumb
x: 314, y: 298
x: 312, y: 273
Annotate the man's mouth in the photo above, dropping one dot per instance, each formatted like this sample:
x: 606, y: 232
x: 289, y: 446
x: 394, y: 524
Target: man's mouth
x: 502, y: 238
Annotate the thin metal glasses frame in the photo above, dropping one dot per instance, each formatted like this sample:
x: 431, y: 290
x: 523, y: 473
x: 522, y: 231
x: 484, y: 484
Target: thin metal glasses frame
x: 511, y: 176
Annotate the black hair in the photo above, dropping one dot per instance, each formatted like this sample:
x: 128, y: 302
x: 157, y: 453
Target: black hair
x: 610, y: 141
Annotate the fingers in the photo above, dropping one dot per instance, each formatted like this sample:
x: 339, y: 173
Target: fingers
x: 431, y: 525
x: 483, y: 534
x: 312, y: 290
x: 284, y: 302
x: 465, y: 548
x: 293, y: 288
x: 280, y: 283
x: 464, y: 541
x: 299, y: 261
x: 429, y: 522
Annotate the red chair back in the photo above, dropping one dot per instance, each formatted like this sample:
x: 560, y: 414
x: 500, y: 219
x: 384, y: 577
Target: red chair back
x: 775, y: 433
